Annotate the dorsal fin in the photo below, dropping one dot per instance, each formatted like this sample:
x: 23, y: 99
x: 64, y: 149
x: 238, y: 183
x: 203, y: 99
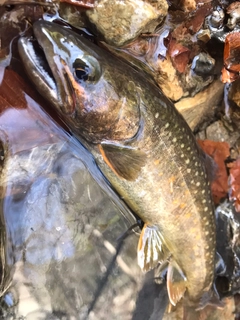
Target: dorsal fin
x: 125, y: 161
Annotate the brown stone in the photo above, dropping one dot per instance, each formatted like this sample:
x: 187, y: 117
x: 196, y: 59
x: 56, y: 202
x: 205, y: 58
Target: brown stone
x: 196, y: 109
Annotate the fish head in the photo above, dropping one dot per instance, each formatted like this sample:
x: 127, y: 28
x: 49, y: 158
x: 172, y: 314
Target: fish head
x: 84, y: 83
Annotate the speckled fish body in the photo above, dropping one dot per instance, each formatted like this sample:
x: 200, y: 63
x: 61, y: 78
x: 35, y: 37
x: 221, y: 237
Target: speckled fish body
x: 143, y: 146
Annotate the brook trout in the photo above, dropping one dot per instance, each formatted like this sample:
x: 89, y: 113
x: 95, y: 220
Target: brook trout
x: 142, y: 145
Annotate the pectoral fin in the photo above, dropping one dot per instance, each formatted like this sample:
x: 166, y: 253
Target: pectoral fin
x: 125, y: 161
x: 176, y: 283
x: 150, y: 248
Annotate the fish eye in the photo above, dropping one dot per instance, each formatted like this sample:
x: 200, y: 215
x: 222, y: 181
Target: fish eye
x: 81, y: 70
x: 86, y: 69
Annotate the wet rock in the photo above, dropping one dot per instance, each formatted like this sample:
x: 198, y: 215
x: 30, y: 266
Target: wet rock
x: 231, y: 56
x: 194, y: 83
x: 167, y: 79
x: 72, y: 15
x: 204, y: 35
x: 218, y: 132
x: 203, y: 64
x: 217, y: 18
x: 234, y: 14
x: 234, y: 92
x: 228, y: 244
x: 185, y: 5
x: 202, y: 106
x: 121, y: 21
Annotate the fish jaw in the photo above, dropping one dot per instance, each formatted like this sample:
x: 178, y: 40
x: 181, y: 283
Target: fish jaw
x: 47, y: 85
x: 82, y: 83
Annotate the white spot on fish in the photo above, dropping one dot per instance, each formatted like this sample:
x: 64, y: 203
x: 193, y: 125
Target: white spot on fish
x: 198, y: 184
x: 182, y: 145
x: 204, y: 201
x: 188, y: 148
x: 205, y: 209
x: 156, y: 115
x: 187, y: 161
x: 167, y: 125
x: 142, y: 193
x: 174, y: 139
x: 188, y: 170
x: 182, y: 155
x: 203, y: 191
x: 196, y: 173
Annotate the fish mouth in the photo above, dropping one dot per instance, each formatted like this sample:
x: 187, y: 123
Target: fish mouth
x: 47, y: 62
x: 35, y: 60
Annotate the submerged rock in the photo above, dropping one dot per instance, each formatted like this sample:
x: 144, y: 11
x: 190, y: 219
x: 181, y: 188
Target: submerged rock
x: 121, y: 21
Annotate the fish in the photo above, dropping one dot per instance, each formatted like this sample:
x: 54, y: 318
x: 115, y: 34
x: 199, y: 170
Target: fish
x: 143, y: 146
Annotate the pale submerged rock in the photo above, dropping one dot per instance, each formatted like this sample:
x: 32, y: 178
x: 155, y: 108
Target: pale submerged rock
x: 122, y: 21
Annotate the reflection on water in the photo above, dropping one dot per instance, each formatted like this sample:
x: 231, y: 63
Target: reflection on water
x: 61, y: 227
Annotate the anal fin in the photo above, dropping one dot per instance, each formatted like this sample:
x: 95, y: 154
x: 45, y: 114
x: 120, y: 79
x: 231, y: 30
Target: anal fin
x: 150, y: 248
x: 176, y: 283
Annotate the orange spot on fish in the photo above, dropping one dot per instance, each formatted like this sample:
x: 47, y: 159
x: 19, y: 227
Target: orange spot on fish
x: 198, y: 236
x: 182, y: 205
x: 188, y: 215
x: 160, y: 174
x: 156, y: 162
x: 172, y: 179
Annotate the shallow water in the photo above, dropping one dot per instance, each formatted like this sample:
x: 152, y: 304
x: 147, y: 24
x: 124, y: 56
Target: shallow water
x: 62, y: 222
